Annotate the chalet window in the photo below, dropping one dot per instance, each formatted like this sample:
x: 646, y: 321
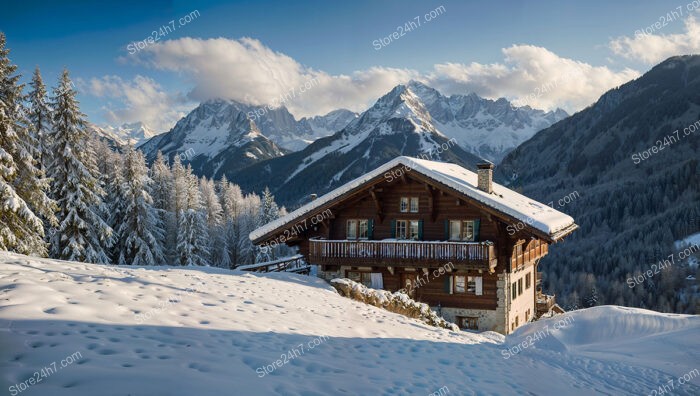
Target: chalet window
x: 468, y: 322
x: 360, y: 277
x: 528, y: 281
x: 363, y: 229
x: 468, y: 284
x: 520, y: 286
x: 373, y: 280
x: 358, y: 229
x: 403, y: 207
x: 408, y: 229
x: 413, y: 207
x: 461, y: 230
x: 409, y: 204
x: 513, y: 291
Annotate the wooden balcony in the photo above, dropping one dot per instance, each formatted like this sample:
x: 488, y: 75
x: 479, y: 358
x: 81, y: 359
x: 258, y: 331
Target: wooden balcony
x: 396, y: 253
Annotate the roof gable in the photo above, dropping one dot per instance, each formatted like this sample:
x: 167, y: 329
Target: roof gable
x: 531, y: 213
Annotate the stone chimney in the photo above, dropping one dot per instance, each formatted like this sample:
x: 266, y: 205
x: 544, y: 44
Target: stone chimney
x: 485, y: 177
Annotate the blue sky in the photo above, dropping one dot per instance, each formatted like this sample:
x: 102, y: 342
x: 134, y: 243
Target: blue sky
x: 257, y: 51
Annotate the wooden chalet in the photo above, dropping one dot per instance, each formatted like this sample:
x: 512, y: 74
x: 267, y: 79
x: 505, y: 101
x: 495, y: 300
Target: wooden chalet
x: 450, y: 237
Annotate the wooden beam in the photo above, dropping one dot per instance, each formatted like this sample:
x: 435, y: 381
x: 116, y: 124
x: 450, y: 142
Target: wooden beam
x: 377, y: 204
x: 432, y: 208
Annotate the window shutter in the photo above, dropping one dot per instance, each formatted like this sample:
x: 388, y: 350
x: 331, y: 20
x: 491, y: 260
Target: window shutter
x: 393, y: 228
x: 479, y: 285
x: 477, y: 223
x: 370, y: 228
x: 420, y: 230
x: 448, y: 284
x: 447, y: 230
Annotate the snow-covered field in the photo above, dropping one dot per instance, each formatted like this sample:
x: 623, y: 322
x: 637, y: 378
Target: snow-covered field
x: 99, y: 330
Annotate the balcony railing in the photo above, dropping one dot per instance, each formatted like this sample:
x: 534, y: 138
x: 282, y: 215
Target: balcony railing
x: 465, y: 255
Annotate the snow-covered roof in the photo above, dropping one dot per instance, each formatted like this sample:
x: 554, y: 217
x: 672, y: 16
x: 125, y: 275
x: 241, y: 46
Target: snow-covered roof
x: 533, y: 214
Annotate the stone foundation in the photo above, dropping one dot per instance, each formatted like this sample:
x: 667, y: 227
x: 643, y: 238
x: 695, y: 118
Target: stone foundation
x: 488, y: 319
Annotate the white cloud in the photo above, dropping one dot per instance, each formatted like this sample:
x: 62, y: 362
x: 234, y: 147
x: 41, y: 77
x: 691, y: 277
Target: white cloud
x: 248, y: 71
x: 139, y: 99
x: 653, y: 48
x: 532, y: 76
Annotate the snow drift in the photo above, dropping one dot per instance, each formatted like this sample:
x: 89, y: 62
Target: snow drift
x: 206, y: 331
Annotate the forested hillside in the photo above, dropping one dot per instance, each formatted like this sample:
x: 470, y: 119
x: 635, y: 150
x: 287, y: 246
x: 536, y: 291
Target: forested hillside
x: 65, y: 193
x: 632, y: 159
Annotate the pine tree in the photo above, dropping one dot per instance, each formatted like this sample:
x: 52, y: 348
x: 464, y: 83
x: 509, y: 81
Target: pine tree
x: 40, y: 117
x: 214, y: 217
x: 163, y: 201
x: 231, y: 198
x: 248, y: 220
x: 269, y: 211
x: 23, y: 187
x: 110, y: 166
x: 82, y: 234
x: 192, y: 246
x: 140, y: 230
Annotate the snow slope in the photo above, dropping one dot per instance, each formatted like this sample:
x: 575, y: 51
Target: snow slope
x: 222, y: 327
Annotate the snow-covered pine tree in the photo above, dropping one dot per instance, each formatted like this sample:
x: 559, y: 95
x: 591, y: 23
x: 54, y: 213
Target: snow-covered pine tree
x: 231, y: 197
x: 40, y: 117
x: 22, y: 184
x: 248, y: 220
x: 180, y: 188
x: 218, y: 251
x: 140, y: 229
x: 163, y: 200
x: 110, y: 166
x: 82, y: 234
x: 192, y: 237
x: 269, y: 211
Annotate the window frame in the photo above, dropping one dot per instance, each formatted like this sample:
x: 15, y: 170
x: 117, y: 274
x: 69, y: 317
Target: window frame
x: 357, y: 226
x: 361, y: 276
x: 468, y: 279
x: 462, y: 224
x: 411, y: 201
x: 528, y: 281
x: 513, y: 291
x: 408, y: 226
x: 404, y: 205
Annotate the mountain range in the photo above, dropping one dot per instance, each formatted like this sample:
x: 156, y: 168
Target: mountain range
x: 222, y: 137
x: 487, y: 128
x: 397, y: 124
x: 134, y: 133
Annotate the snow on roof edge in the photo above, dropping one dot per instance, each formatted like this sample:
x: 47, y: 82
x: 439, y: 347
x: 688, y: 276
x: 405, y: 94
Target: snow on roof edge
x: 505, y: 200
